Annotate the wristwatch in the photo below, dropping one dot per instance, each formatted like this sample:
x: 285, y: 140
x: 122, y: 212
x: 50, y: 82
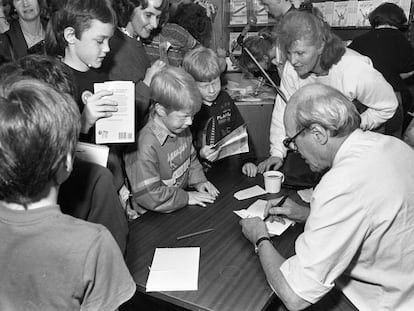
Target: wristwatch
x: 260, y: 240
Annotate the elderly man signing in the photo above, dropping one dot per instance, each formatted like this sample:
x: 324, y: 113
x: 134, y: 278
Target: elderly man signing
x: 359, y: 232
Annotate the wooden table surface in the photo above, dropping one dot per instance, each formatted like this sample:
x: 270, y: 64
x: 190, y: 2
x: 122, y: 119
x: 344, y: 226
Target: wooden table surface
x: 230, y: 274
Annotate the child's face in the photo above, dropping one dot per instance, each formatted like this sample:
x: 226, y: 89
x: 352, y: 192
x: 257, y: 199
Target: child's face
x: 92, y: 46
x: 27, y: 10
x: 209, y: 90
x: 143, y: 21
x: 177, y: 121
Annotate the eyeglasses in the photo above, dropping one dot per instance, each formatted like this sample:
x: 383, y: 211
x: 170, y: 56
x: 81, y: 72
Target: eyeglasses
x: 289, y: 142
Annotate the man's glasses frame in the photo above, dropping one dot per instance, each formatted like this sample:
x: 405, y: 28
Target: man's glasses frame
x: 289, y: 142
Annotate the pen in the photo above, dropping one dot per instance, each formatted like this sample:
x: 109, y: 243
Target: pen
x: 194, y: 233
x: 280, y: 203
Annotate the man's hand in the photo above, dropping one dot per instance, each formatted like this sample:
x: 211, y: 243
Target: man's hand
x: 249, y: 169
x: 207, y: 187
x: 270, y: 163
x: 253, y: 228
x: 289, y: 209
x: 199, y: 198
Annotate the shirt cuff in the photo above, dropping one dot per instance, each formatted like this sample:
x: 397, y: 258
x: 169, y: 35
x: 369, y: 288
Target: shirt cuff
x: 302, y: 284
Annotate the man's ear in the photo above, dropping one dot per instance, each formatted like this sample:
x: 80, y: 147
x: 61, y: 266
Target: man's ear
x: 69, y: 35
x: 320, y: 134
x: 160, y: 110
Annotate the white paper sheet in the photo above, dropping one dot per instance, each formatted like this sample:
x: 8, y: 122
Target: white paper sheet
x: 257, y: 210
x: 174, y: 269
x: 249, y: 192
x: 120, y: 128
x: 92, y: 153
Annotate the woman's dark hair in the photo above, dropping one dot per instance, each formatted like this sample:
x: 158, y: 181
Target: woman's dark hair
x: 194, y: 19
x: 302, y: 25
x: 388, y: 14
x: 125, y: 8
x: 77, y: 14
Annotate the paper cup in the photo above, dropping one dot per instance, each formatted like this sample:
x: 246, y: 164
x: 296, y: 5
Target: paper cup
x: 273, y: 181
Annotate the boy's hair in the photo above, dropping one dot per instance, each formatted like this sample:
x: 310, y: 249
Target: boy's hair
x: 77, y: 14
x: 125, y: 8
x: 259, y: 46
x: 38, y: 128
x: 175, y: 89
x: 203, y: 64
x: 41, y: 67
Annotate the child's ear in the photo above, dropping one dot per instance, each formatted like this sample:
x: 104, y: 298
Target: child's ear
x: 160, y: 110
x: 65, y: 169
x: 69, y: 35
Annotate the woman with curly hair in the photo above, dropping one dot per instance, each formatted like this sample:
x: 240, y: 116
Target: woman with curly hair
x: 315, y: 54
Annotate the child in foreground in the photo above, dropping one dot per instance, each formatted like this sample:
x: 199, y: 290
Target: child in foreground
x: 164, y: 162
x: 218, y: 115
x: 49, y: 261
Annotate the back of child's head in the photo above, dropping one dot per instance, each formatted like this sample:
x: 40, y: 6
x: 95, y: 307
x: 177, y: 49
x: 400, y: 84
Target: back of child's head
x: 77, y: 14
x: 39, y: 127
x: 175, y: 89
x: 259, y: 46
x: 193, y: 17
x: 41, y: 67
x: 203, y: 64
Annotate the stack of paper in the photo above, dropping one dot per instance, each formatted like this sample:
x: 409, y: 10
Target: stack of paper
x: 174, y: 269
x: 257, y: 210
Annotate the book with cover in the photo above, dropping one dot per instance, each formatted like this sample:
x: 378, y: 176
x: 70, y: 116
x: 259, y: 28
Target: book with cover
x: 120, y: 127
x: 238, y: 12
x: 364, y: 8
x: 340, y: 15
x: 235, y: 142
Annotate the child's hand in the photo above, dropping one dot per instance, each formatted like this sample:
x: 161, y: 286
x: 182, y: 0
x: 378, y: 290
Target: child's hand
x: 208, y: 152
x: 249, y: 169
x: 199, y: 198
x: 157, y: 66
x: 207, y: 187
x: 97, y: 106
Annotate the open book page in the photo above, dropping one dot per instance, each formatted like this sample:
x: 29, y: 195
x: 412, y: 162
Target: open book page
x: 257, y: 210
x: 120, y: 128
x: 235, y: 142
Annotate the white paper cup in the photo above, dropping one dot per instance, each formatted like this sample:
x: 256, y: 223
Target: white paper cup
x: 273, y: 181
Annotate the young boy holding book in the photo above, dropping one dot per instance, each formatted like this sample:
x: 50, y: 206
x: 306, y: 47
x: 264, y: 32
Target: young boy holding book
x: 49, y: 261
x: 218, y: 115
x: 164, y: 162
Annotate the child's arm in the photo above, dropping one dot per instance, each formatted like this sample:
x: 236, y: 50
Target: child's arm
x: 148, y: 190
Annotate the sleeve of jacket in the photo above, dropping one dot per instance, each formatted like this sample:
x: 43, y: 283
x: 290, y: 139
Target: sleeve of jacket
x: 148, y: 190
x: 277, y: 127
x: 196, y: 173
x: 369, y: 87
